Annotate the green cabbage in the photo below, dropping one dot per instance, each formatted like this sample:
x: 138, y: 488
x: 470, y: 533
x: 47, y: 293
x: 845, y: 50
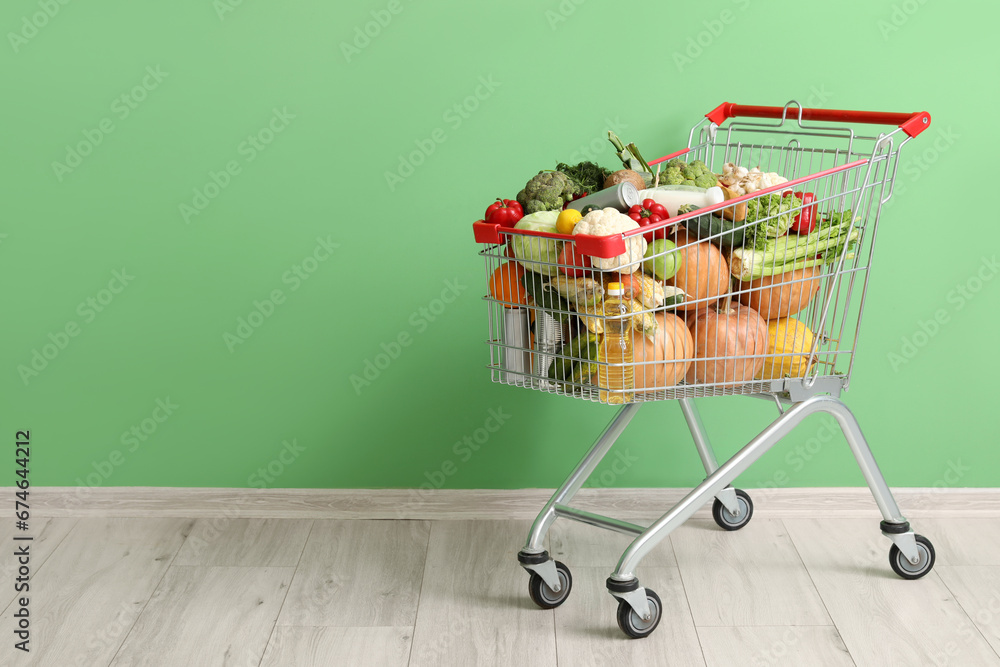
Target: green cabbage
x: 532, y: 249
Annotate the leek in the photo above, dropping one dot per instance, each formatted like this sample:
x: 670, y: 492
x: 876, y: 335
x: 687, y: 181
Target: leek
x: 789, y: 253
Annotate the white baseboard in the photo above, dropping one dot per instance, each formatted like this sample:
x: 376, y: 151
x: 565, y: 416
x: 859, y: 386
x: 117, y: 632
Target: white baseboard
x: 479, y: 503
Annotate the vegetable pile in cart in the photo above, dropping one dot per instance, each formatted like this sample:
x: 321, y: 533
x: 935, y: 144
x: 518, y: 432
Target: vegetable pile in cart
x: 727, y: 276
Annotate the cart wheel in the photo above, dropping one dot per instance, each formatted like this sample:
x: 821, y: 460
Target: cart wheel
x: 545, y: 597
x: 726, y: 520
x: 634, y: 626
x: 906, y: 569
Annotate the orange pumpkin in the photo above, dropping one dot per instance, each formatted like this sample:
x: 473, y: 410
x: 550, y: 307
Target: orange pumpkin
x: 671, y: 350
x: 784, y: 295
x: 704, y: 273
x: 729, y: 346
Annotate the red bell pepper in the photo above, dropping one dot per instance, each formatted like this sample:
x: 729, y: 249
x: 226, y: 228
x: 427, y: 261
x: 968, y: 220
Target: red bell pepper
x: 805, y: 221
x: 504, y: 212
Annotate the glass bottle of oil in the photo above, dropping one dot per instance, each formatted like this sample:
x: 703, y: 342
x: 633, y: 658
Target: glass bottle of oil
x: 615, y: 374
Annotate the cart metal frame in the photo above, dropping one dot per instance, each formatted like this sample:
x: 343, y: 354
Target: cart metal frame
x: 623, y: 583
x: 872, y: 166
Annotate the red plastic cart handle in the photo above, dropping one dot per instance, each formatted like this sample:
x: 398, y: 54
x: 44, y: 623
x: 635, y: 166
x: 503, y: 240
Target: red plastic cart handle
x: 911, y: 123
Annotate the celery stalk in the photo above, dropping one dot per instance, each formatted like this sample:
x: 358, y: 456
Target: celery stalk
x: 781, y: 253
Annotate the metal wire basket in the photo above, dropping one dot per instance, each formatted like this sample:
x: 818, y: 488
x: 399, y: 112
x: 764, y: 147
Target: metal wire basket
x: 836, y: 177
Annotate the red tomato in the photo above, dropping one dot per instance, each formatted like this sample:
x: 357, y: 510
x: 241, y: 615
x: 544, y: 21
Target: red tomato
x: 660, y: 233
x: 575, y: 264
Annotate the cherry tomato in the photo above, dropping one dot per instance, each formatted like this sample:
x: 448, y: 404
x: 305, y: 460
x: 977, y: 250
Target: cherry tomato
x: 660, y: 233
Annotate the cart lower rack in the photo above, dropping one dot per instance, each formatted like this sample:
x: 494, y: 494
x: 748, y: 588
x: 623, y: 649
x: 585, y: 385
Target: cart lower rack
x: 756, y: 288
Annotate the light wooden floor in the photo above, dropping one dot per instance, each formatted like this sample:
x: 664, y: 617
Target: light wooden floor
x: 271, y: 592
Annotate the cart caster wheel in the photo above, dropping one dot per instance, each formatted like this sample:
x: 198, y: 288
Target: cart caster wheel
x: 545, y: 597
x: 726, y: 520
x: 906, y: 569
x: 634, y: 626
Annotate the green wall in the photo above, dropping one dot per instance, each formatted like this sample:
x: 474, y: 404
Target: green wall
x: 245, y: 169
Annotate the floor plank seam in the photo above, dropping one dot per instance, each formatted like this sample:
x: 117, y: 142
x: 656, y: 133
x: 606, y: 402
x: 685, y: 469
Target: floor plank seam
x: 819, y: 593
x: 967, y: 614
x: 282, y: 605
x: 555, y: 636
x: 155, y: 588
x: 420, y: 595
x: 687, y: 600
x: 39, y: 568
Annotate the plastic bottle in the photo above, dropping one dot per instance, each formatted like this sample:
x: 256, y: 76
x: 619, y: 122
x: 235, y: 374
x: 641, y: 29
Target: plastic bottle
x: 616, y: 380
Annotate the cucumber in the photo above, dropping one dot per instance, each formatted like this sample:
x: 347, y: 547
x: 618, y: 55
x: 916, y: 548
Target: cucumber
x: 724, y: 233
x: 573, y: 350
x: 584, y: 369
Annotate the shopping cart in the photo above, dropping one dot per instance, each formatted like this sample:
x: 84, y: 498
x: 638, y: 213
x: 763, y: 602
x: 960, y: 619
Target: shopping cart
x: 726, y: 322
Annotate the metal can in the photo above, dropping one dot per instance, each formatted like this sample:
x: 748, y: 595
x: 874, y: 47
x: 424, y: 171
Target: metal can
x: 517, y: 346
x: 622, y: 197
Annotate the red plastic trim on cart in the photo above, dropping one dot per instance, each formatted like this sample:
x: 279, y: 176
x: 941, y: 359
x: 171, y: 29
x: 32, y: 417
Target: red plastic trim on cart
x: 486, y: 232
x: 669, y: 157
x: 910, y: 123
x: 788, y: 185
x: 600, y: 246
x: 614, y: 244
x: 586, y: 244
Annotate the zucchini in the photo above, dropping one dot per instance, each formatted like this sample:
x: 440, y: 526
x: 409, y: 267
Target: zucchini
x: 673, y: 297
x: 572, y: 351
x: 724, y: 233
x: 583, y: 370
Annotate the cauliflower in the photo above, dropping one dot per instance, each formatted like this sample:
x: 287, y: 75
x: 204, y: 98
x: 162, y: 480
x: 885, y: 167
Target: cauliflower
x: 547, y: 191
x: 746, y: 181
x: 697, y: 173
x: 611, y: 221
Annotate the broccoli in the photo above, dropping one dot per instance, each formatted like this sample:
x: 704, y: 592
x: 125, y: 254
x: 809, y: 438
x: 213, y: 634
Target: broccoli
x: 706, y: 181
x: 697, y: 173
x: 547, y: 191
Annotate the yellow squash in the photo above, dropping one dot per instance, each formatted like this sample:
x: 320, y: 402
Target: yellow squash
x: 787, y: 336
